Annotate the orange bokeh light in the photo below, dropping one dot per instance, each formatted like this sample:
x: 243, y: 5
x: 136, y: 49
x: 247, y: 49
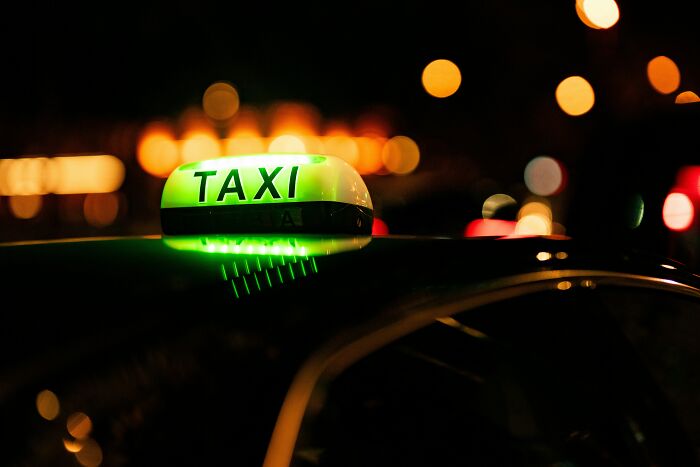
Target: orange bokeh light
x: 400, y: 155
x: 441, y: 78
x: 369, y: 154
x: 575, y: 96
x: 101, y: 209
x: 687, y: 97
x: 157, y: 151
x: 220, y: 101
x: 602, y: 14
x: 198, y: 145
x: 663, y: 74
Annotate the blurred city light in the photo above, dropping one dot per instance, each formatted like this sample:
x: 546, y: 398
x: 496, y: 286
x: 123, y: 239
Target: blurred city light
x: 79, y: 425
x: 687, y: 97
x: 575, y: 96
x: 220, y: 101
x: 157, y: 150
x: 379, y: 227
x: 489, y: 228
x: 287, y: 143
x: 72, y: 446
x: 60, y: 175
x: 400, y: 155
x: 544, y: 176
x: 678, y: 211
x: 47, y: 404
x: 370, y: 154
x: 25, y: 206
x: 598, y: 14
x: 688, y: 178
x: 495, y: 202
x: 101, y: 209
x: 441, y: 78
x: 533, y: 224
x: 342, y: 146
x: 90, y: 454
x: 664, y: 75
x: 198, y: 145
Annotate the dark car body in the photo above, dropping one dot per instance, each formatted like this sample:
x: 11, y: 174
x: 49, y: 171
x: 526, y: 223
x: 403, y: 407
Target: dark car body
x: 536, y: 351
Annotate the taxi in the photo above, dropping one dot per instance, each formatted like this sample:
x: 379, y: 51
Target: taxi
x: 266, y: 326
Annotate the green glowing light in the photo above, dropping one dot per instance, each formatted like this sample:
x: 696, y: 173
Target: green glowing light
x: 268, y: 245
x: 264, y: 179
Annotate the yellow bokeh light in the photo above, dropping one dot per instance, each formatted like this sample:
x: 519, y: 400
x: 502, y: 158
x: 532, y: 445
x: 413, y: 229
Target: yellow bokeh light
x: 441, y: 78
x: 582, y: 15
x: 575, y: 96
x: 85, y: 174
x: 687, y: 97
x: 47, y: 404
x: 198, y: 145
x: 564, y: 285
x: 369, y: 154
x: 294, y: 118
x: 244, y: 145
x: 101, y: 209
x: 287, y: 143
x: 157, y: 151
x: 533, y: 224
x: 601, y: 13
x: 79, y: 425
x: 220, y: 101
x: 400, y: 155
x: 544, y: 256
x: 663, y: 74
x: 25, y: 207
x: 341, y: 146
x: 538, y: 208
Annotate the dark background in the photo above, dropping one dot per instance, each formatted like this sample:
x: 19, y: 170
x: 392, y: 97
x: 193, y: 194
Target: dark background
x: 86, y: 77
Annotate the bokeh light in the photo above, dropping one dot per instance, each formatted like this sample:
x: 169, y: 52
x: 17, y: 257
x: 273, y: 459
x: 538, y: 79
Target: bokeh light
x: 634, y: 211
x: 582, y: 15
x: 342, y: 146
x: 369, y: 154
x: 287, y: 144
x: 544, y: 176
x: 244, y: 145
x: 379, y: 227
x: 84, y: 174
x: 441, y: 78
x: 220, y: 101
x: 72, y: 445
x: 533, y: 224
x: 101, y: 209
x: 687, y: 97
x: 575, y: 96
x: 489, y: 228
x: 400, y: 155
x: 678, y: 211
x: 25, y: 207
x: 663, y: 74
x: 79, y: 425
x: 496, y: 202
x: 90, y: 454
x: 198, y: 145
x: 602, y: 14
x: 294, y: 118
x: 157, y: 150
x: 47, y: 404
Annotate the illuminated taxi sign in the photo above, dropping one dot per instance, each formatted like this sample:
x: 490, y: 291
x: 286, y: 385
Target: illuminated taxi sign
x: 271, y: 245
x: 294, y: 193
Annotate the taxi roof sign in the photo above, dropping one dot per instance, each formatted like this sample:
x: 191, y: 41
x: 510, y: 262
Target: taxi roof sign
x: 266, y: 193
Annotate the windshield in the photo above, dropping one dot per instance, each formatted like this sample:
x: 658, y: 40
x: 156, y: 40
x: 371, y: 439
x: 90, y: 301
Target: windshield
x: 542, y: 380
